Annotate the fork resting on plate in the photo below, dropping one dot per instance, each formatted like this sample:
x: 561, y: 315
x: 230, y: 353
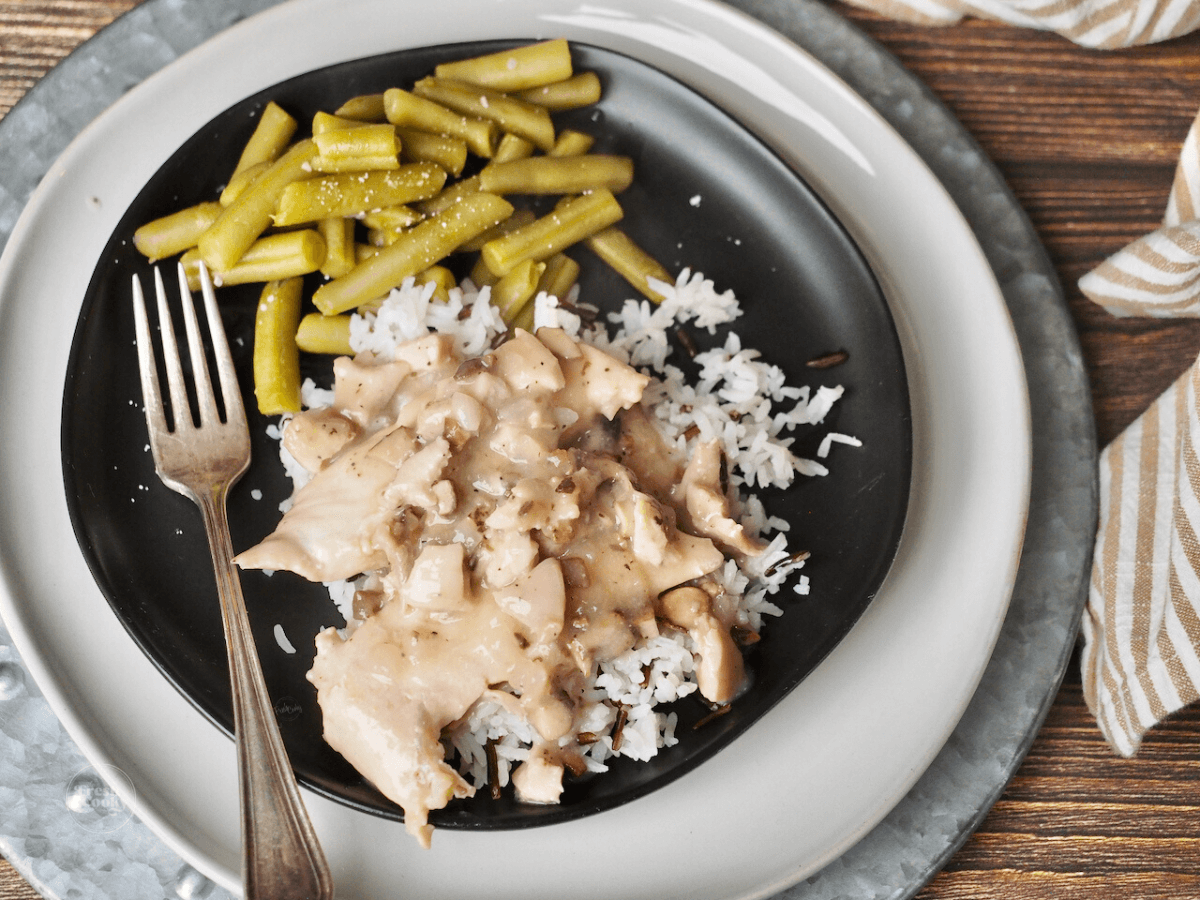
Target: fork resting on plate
x: 281, y: 857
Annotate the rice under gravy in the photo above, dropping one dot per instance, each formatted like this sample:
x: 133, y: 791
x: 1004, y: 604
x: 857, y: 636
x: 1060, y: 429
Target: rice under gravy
x: 735, y: 398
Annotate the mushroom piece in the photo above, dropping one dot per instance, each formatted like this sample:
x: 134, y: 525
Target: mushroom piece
x: 719, y: 672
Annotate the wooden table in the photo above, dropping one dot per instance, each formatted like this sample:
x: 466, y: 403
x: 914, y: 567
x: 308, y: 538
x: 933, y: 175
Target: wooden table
x: 1088, y: 141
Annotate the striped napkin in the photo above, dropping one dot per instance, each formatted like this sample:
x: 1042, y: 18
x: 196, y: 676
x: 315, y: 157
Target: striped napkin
x: 1090, y: 23
x: 1141, y: 629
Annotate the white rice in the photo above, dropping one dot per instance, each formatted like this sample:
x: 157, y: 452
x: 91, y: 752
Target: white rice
x: 736, y: 397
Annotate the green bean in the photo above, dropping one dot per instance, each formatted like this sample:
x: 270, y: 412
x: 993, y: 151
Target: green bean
x: 268, y: 259
x: 516, y: 288
x: 517, y: 117
x: 275, y: 128
x: 357, y: 149
x: 481, y: 276
x: 243, y: 220
x: 443, y: 280
x: 560, y: 276
x: 323, y: 122
x: 175, y: 233
x: 422, y: 146
x: 324, y: 334
x: 558, y: 174
x: 524, y: 318
x: 338, y: 233
x: 569, y: 223
x: 423, y: 245
x: 630, y: 261
x: 365, y: 108
x: 519, y: 219
x: 572, y: 143
x: 352, y: 193
x: 571, y: 93
x: 241, y: 181
x: 513, y: 70
x: 393, y: 217
x: 512, y: 147
x: 451, y: 195
x: 276, y: 356
x: 410, y: 111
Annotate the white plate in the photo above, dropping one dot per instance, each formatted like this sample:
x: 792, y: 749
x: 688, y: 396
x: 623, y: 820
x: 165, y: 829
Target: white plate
x: 800, y: 786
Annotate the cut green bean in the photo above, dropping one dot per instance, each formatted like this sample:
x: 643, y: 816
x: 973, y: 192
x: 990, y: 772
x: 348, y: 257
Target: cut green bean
x: 410, y: 111
x: 394, y: 217
x: 241, y: 181
x: 571, y: 93
x: 423, y: 245
x: 560, y: 276
x: 516, y: 288
x: 570, y: 222
x: 365, y: 108
x: 276, y: 356
x: 338, y: 233
x: 353, y: 193
x: 247, y: 217
x: 275, y: 128
x: 481, y: 276
x: 525, y: 318
x: 357, y: 149
x: 270, y: 258
x: 175, y: 233
x: 527, y: 120
x: 451, y: 195
x: 323, y: 122
x: 572, y: 143
x: 512, y: 147
x: 443, y: 280
x: 630, y: 261
x: 558, y: 174
x: 519, y: 219
x: 422, y: 146
x: 324, y: 334
x: 513, y: 70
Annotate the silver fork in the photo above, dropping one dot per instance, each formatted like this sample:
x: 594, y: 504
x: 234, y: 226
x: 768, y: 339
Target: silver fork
x: 281, y: 857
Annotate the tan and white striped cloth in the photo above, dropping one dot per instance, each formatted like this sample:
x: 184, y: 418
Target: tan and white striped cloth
x: 1141, y: 629
x: 1090, y: 23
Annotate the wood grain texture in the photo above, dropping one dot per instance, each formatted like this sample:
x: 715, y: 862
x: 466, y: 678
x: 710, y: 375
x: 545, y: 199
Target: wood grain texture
x: 1088, y: 142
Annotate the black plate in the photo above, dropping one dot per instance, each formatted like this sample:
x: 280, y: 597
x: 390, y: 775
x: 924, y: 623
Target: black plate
x: 707, y: 195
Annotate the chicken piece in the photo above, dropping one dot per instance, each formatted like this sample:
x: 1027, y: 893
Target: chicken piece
x: 316, y: 436
x: 363, y: 389
x: 537, y: 600
x: 527, y: 365
x: 538, y: 780
x: 325, y: 536
x: 707, y: 506
x: 437, y: 581
x: 720, y: 672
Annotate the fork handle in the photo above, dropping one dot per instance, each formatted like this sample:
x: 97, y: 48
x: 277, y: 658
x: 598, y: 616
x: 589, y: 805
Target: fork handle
x: 282, y: 858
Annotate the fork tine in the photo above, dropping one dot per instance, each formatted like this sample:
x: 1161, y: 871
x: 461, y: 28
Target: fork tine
x: 151, y: 396
x: 180, y: 410
x: 231, y: 394
x: 204, y: 390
